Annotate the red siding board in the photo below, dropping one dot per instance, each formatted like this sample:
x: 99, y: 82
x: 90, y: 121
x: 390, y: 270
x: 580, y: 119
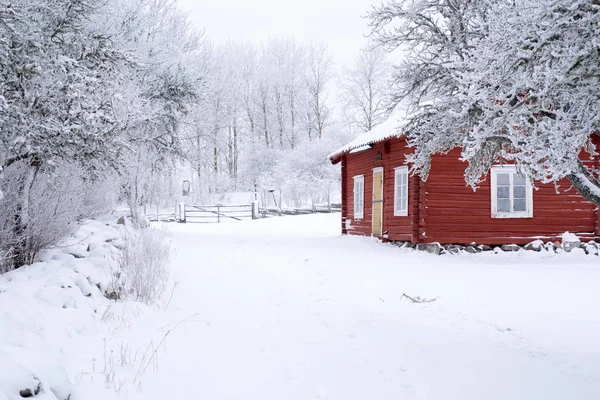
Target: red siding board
x: 344, y: 180
x: 445, y: 210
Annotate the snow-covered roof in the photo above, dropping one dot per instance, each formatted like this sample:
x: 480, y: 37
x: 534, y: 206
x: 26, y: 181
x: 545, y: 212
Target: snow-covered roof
x: 388, y: 129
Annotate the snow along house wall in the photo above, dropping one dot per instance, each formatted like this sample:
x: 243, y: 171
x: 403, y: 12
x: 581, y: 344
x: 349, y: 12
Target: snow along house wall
x: 389, y: 155
x: 454, y: 213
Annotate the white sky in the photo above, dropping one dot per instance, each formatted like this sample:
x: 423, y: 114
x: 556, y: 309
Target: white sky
x: 338, y: 22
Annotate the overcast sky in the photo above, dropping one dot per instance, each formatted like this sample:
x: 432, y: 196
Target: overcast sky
x: 338, y: 22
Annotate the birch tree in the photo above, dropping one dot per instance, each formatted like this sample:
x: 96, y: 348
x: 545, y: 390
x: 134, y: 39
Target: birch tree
x: 318, y: 76
x: 365, y: 93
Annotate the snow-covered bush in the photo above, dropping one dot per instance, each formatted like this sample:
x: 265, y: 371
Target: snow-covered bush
x: 144, y: 262
x: 56, y: 200
x: 306, y: 176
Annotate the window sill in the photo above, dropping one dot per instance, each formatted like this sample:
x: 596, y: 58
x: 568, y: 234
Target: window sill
x: 511, y: 215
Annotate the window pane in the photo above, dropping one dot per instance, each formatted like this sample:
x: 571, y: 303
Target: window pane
x: 503, y: 179
x: 520, y: 205
x: 503, y: 192
x: 503, y: 205
x: 518, y: 180
x: 519, y: 192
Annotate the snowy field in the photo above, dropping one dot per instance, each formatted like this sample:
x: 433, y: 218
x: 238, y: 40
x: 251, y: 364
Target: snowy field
x: 286, y: 308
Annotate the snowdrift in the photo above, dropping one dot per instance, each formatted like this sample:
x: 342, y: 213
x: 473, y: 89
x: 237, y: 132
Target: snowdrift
x: 47, y: 305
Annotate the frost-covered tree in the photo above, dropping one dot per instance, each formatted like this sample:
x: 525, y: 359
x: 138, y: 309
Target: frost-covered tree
x: 535, y: 99
x: 318, y: 76
x: 58, y: 75
x: 88, y: 90
x: 365, y: 93
x: 256, y: 107
x: 513, y: 79
x: 160, y: 90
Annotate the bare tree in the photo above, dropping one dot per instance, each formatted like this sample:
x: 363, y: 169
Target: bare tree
x: 294, y: 91
x: 317, y: 77
x: 365, y: 91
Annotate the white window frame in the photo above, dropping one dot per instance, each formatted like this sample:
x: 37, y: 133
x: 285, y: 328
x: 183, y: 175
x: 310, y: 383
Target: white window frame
x: 398, y: 171
x: 511, y: 169
x: 359, y: 213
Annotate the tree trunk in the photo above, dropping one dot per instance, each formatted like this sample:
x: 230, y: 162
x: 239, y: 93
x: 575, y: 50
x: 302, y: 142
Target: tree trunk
x: 22, y: 247
x: 265, y: 123
x: 586, y: 184
x: 293, y: 123
x: 235, y: 154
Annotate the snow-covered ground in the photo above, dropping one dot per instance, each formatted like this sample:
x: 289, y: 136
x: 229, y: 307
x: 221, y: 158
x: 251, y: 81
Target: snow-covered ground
x: 286, y: 308
x: 49, y: 307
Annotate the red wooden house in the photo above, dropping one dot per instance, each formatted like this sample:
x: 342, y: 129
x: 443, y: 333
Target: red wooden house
x: 381, y: 198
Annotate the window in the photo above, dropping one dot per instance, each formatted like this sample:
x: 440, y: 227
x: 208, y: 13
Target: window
x: 512, y: 194
x: 401, y: 192
x: 359, y: 196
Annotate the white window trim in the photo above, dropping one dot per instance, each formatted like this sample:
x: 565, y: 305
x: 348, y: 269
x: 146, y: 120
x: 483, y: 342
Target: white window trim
x: 357, y: 214
x: 403, y: 170
x: 494, y: 193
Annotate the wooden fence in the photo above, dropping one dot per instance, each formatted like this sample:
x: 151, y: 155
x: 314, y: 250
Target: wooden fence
x: 221, y: 212
x: 216, y: 213
x: 274, y: 211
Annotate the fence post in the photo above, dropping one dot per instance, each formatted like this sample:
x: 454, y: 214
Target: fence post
x: 181, y: 212
x: 218, y: 213
x: 254, y: 209
x: 280, y: 210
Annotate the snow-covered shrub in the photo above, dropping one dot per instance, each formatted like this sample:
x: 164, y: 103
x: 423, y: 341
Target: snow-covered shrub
x: 47, y: 212
x: 144, y: 262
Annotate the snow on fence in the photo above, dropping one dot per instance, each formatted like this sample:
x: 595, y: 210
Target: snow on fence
x: 161, y: 217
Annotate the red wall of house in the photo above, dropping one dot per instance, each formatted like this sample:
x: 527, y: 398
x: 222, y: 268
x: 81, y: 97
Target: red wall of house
x: 454, y: 213
x: 445, y: 210
x: 362, y: 163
